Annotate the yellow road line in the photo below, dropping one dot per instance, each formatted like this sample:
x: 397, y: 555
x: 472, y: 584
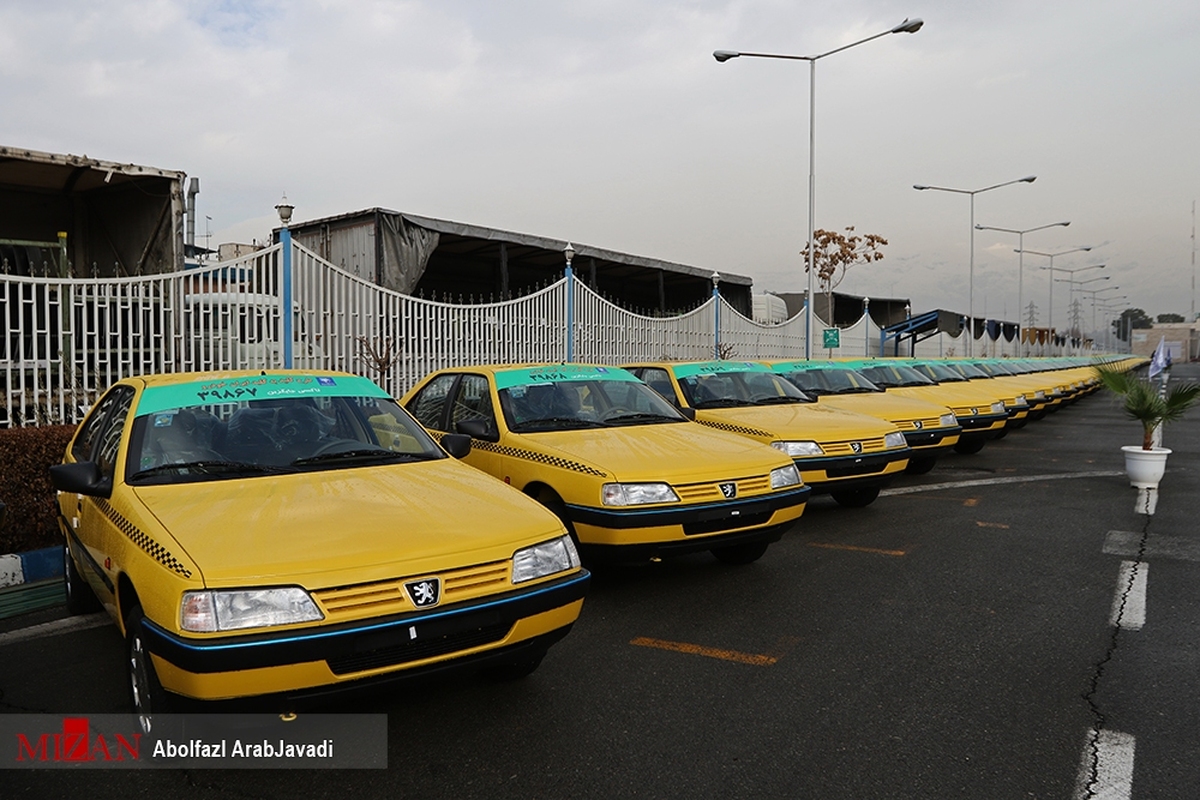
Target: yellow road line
x: 710, y: 652
x: 991, y: 524
x: 856, y: 549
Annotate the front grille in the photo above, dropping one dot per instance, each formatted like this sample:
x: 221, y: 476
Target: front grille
x: 706, y: 492
x: 845, y: 448
x: 910, y: 424
x: 380, y: 598
x: 417, y: 650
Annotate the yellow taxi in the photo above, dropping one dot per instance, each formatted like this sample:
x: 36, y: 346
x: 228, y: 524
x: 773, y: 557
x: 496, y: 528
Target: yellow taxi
x: 929, y: 428
x: 632, y: 477
x: 981, y: 414
x: 282, y: 534
x: 850, y: 456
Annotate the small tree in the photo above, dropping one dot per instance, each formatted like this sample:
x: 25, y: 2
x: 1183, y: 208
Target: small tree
x: 1142, y: 400
x: 1168, y: 318
x: 834, y: 253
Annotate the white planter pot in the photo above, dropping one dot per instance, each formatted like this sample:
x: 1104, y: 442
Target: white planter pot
x: 1145, y: 467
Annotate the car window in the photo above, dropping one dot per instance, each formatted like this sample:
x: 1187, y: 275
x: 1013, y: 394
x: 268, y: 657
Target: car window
x: 109, y: 438
x: 429, y: 404
x: 658, y: 380
x: 473, y: 401
x: 83, y: 448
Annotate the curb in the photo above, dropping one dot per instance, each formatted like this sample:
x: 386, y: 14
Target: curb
x: 31, y: 581
x: 36, y: 565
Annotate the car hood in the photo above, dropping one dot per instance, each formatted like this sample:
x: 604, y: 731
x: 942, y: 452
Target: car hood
x: 886, y: 405
x: 664, y: 452
x: 351, y: 525
x: 811, y: 421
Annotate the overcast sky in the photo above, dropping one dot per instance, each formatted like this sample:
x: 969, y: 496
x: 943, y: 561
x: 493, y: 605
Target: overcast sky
x: 609, y: 123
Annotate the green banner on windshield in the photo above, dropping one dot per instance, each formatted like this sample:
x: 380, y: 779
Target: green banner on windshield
x: 253, y: 387
x: 717, y: 367
x: 555, y: 373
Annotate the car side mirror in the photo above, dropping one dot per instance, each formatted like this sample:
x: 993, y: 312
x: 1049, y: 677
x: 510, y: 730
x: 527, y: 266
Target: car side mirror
x: 688, y: 412
x: 456, y: 444
x: 479, y: 429
x: 81, y: 477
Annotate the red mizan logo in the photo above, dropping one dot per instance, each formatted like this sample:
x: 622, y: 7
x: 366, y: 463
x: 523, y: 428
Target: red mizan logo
x: 76, y: 743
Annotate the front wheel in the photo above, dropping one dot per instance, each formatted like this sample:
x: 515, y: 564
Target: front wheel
x: 855, y: 498
x: 919, y: 466
x: 738, y: 554
x: 80, y: 597
x: 516, y: 670
x: 145, y: 692
x: 969, y: 447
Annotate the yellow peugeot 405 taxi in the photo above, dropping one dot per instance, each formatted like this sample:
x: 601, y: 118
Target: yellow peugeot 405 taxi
x: 929, y: 428
x: 632, y: 477
x: 851, y: 456
x: 288, y: 534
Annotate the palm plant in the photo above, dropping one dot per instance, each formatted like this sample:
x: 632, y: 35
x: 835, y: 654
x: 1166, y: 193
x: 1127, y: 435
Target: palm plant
x: 1142, y: 400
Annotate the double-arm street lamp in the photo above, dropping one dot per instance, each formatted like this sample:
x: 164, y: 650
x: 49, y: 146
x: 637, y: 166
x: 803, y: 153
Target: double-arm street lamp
x: 1052, y: 256
x: 907, y: 26
x: 1021, y: 261
x: 920, y: 187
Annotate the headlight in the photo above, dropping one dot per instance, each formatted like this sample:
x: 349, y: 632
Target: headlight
x: 1040, y: 394
x: 894, y: 439
x: 636, y: 494
x: 947, y: 420
x: 795, y: 449
x: 998, y: 407
x: 234, y: 609
x: 785, y: 476
x: 544, y: 559
x: 1021, y: 401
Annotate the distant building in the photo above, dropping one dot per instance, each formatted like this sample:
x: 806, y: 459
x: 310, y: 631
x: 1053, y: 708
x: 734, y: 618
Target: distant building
x: 451, y: 260
x: 65, y: 214
x: 1182, y: 339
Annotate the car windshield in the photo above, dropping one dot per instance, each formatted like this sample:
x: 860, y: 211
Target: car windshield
x: 226, y: 435
x: 730, y: 389
x: 823, y: 381
x: 892, y: 375
x: 578, y: 400
x: 940, y: 373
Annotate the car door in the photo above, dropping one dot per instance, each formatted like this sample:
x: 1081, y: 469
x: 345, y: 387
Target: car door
x: 472, y: 404
x: 95, y: 522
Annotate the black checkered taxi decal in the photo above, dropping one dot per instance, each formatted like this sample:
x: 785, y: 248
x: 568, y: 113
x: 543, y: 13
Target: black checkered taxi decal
x: 725, y: 426
x: 152, y: 548
x: 529, y: 455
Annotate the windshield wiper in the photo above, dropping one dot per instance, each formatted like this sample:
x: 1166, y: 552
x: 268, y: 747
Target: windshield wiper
x: 641, y: 417
x: 557, y: 422
x: 722, y: 402
x: 364, y: 454
x: 779, y: 400
x: 211, y: 467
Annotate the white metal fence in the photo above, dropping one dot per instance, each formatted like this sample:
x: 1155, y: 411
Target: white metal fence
x: 67, y: 340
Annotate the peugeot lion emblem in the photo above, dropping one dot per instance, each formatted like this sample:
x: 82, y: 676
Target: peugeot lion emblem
x: 728, y: 489
x: 425, y: 592
x: 918, y: 424
x: 856, y: 447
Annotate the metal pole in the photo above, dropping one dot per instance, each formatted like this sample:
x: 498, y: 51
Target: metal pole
x: 971, y: 285
x: 716, y: 296
x: 1020, y: 293
x: 812, y: 199
x: 285, y: 241
x: 570, y: 275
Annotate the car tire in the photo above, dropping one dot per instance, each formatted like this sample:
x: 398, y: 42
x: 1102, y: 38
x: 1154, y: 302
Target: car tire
x: 919, y: 466
x: 969, y: 447
x: 80, y: 597
x: 516, y: 670
x: 855, y: 498
x: 146, y: 694
x: 738, y: 554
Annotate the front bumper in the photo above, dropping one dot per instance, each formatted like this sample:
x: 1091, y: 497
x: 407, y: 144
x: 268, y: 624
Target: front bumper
x: 925, y: 442
x: 309, y: 658
x: 825, y: 473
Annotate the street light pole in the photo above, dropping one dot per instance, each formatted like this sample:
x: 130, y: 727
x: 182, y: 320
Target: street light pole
x: 920, y: 187
x: 1052, y: 256
x: 1021, y: 265
x: 907, y: 26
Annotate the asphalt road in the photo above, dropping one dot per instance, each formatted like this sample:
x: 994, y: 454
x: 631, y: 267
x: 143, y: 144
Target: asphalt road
x: 954, y: 639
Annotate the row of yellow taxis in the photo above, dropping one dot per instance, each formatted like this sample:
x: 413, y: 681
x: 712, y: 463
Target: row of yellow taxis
x: 284, y: 534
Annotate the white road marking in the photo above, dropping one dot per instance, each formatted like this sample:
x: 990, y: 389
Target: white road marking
x: 1127, y: 543
x: 933, y: 487
x: 54, y: 628
x: 1114, y: 768
x: 1129, y: 608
